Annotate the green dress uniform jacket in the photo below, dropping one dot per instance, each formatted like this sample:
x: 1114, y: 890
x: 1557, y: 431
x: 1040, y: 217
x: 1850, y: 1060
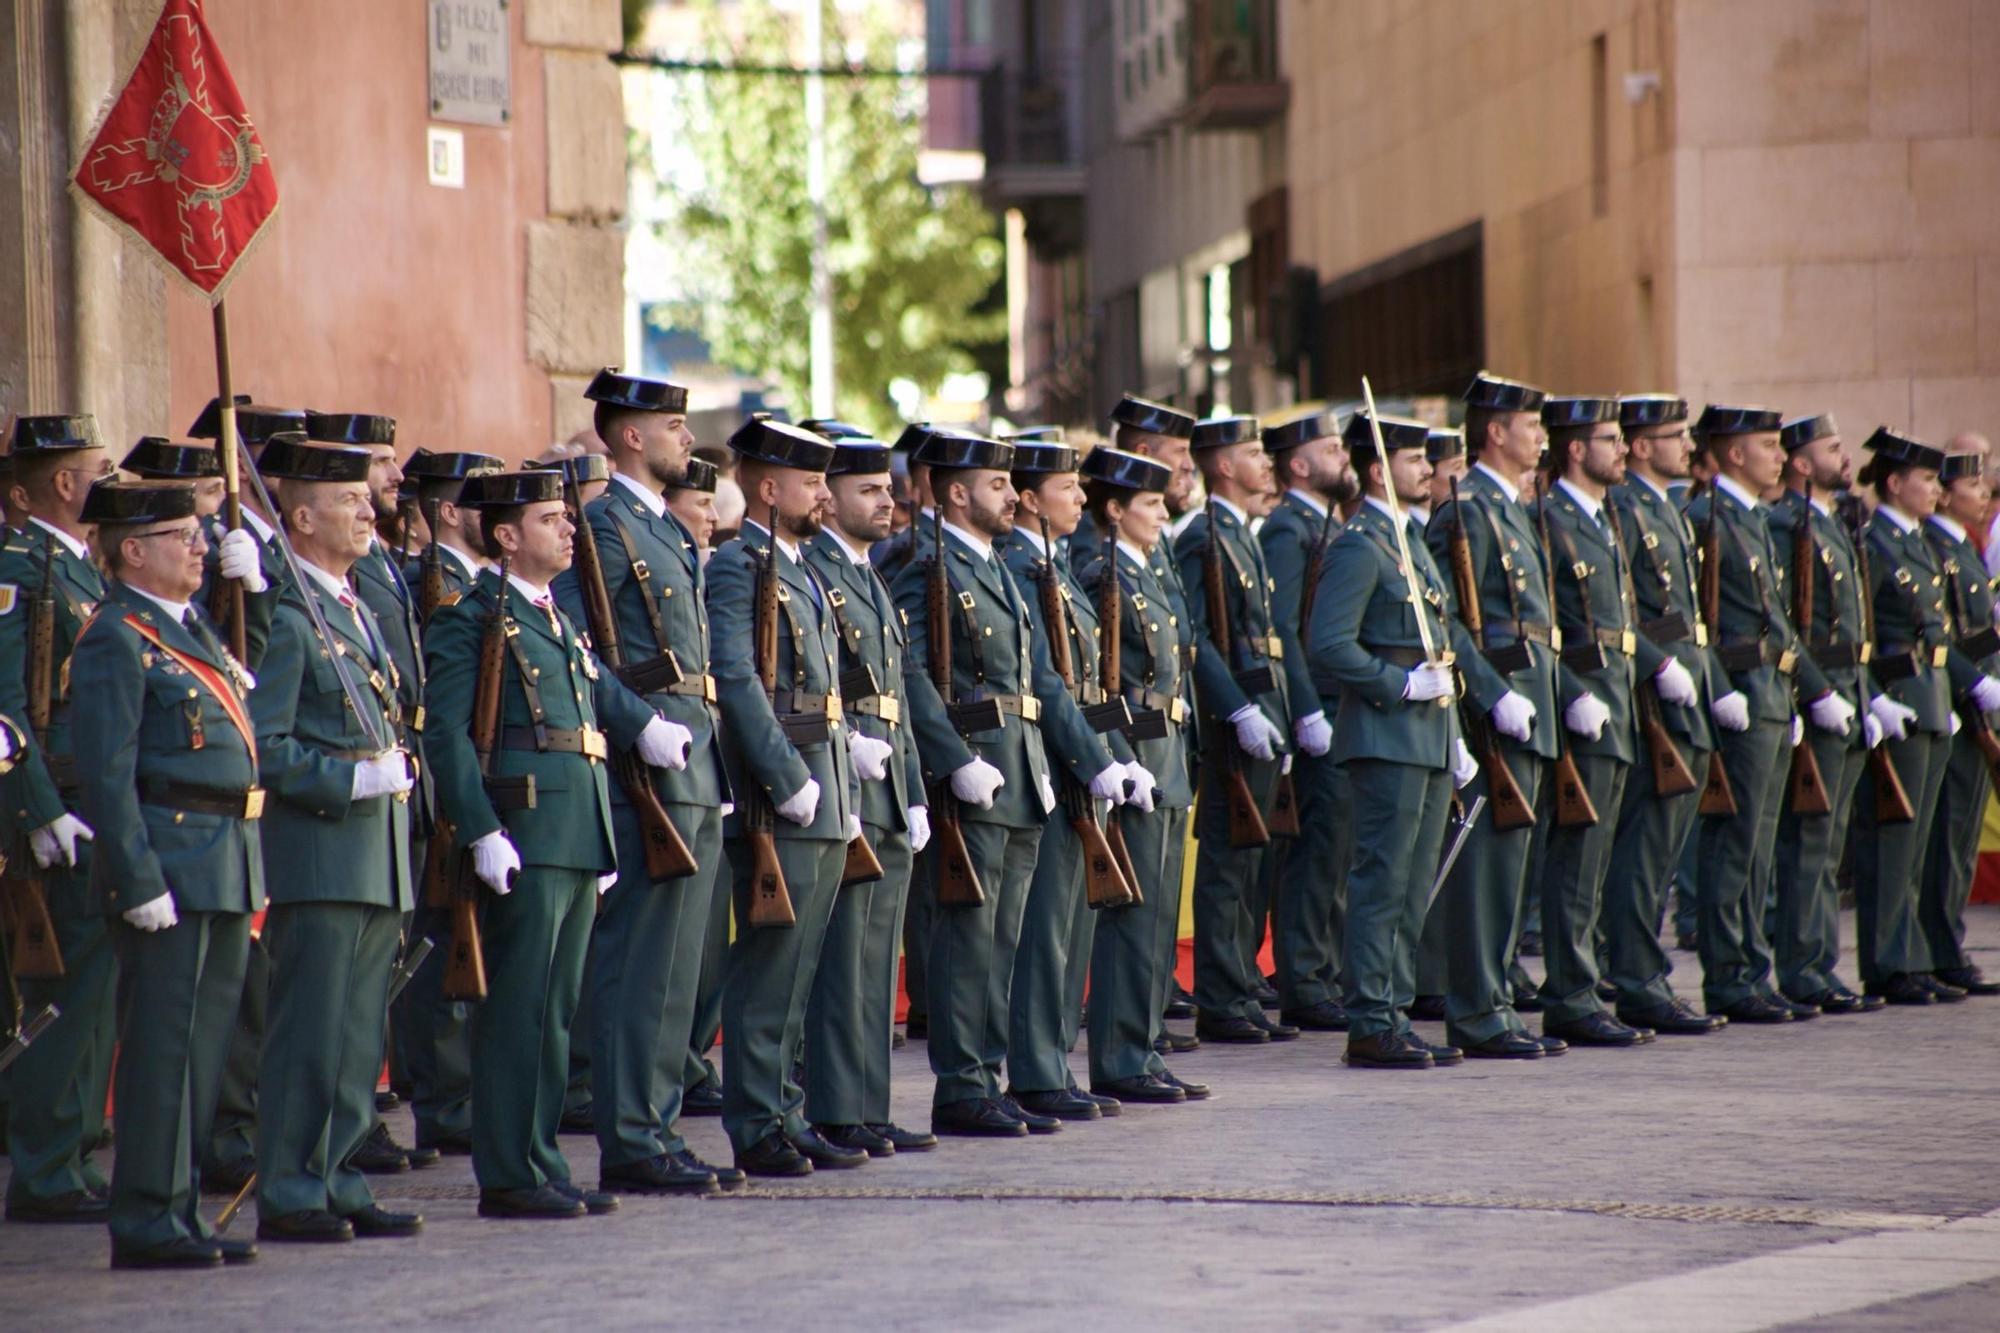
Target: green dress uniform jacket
x: 1953, y: 854
x: 1666, y: 567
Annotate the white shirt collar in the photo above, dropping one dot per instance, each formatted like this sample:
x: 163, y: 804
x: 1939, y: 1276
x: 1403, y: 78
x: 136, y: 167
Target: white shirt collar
x: 257, y: 524
x: 1421, y: 513
x: 1507, y: 488
x: 333, y: 583
x: 1824, y: 512
x: 1032, y: 538
x: 1949, y: 525
x: 471, y: 566
x: 534, y: 592
x: 856, y: 554
x: 1650, y: 485
x: 982, y: 545
x: 177, y: 610
x: 76, y: 548
x: 1138, y: 556
x: 790, y: 549
x: 1742, y: 497
x: 1235, y: 511
x: 656, y: 504
x: 1308, y: 501
x: 1383, y: 505
x: 1592, y: 507
x: 1903, y: 522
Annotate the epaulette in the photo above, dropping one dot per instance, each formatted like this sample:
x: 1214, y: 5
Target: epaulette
x: 450, y: 599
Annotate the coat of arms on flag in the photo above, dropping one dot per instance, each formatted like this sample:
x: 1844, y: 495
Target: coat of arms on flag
x: 176, y: 161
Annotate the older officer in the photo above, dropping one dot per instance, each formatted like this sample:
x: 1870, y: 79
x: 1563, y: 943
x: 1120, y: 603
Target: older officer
x: 167, y: 758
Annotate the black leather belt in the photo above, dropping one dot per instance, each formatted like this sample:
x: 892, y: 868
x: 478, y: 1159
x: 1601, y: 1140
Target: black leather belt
x: 1520, y: 629
x: 1402, y: 657
x: 1830, y: 653
x: 693, y: 687
x: 1024, y: 706
x: 586, y: 741
x: 1902, y: 661
x: 1673, y: 627
x: 806, y: 701
x: 244, y: 805
x: 1980, y: 644
x: 1173, y: 706
x: 885, y: 706
x: 1750, y: 654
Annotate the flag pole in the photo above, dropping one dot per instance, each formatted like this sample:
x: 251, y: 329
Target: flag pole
x: 232, y: 478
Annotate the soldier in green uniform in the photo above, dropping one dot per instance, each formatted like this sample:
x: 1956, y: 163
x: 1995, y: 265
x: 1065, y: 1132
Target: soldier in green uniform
x: 1445, y: 448
x: 455, y: 533
x: 1053, y: 951
x: 1653, y: 827
x: 851, y: 1014
x: 1832, y: 681
x: 1131, y: 957
x: 544, y: 865
x: 791, y: 756
x: 1396, y: 733
x: 645, y: 955
x: 57, y: 1087
x: 1244, y: 696
x: 1313, y: 475
x: 167, y: 759
x: 1975, y: 657
x: 1510, y: 692
x: 692, y: 501
x: 1756, y: 645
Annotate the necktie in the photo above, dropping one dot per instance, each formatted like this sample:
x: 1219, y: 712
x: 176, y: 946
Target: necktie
x: 549, y: 609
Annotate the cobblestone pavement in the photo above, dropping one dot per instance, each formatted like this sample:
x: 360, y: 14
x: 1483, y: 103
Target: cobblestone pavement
x: 1833, y: 1174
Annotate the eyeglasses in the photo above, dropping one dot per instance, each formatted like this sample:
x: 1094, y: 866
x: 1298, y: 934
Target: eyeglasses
x: 107, y: 468
x: 188, y: 536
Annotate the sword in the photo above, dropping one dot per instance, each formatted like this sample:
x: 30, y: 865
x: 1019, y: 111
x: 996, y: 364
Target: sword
x: 30, y: 1030
x: 1457, y: 846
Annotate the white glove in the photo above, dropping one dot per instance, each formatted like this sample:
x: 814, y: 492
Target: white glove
x: 1464, y: 768
x: 853, y: 827
x: 154, y: 914
x: 1673, y: 683
x: 1586, y: 716
x: 1432, y: 680
x: 977, y: 783
x: 1513, y: 716
x: 605, y: 881
x: 919, y: 817
x: 665, y: 744
x: 1798, y: 730
x: 871, y: 757
x: 384, y: 774
x: 56, y: 840
x: 1285, y: 764
x: 1048, y: 794
x: 6, y: 744
x: 496, y: 862
x: 1314, y: 733
x: 1986, y: 694
x: 1258, y: 736
x: 1143, y: 784
x: 1956, y: 723
x: 1111, y: 785
x: 1731, y: 711
x: 1871, y: 730
x: 240, y: 560
x: 801, y: 805
x: 1892, y: 718
x: 1831, y: 712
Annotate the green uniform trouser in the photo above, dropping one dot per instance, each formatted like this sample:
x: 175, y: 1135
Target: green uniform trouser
x: 1953, y: 854
x: 1888, y: 932
x: 1399, y: 813
x: 1130, y: 968
x: 708, y: 993
x: 765, y: 990
x: 1313, y: 900
x: 1736, y: 882
x: 645, y: 966
x: 1645, y: 852
x: 177, y: 995
x: 972, y: 964
x: 576, y: 1078
x: 1056, y: 930
x: 330, y: 965
x: 234, y: 1136
x: 437, y: 1036
x: 851, y: 1013
x: 1572, y: 883
x: 56, y: 1087
x: 1482, y: 903
x: 1806, y: 938
x: 919, y: 917
x: 1225, y: 881
x: 536, y: 940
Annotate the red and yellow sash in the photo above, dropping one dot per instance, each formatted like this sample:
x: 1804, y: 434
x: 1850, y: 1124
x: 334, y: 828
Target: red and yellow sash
x: 218, y: 684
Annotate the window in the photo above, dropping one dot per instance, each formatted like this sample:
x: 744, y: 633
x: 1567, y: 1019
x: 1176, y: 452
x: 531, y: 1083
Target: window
x: 1600, y: 128
x: 1413, y: 323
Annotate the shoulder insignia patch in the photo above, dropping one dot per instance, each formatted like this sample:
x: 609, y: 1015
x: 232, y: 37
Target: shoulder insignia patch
x: 10, y: 596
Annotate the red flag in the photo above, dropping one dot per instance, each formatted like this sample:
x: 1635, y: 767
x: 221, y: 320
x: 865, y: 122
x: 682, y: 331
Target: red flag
x: 176, y: 161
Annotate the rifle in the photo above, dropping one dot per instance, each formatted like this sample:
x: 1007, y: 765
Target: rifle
x: 430, y: 589
x: 770, y: 899
x: 667, y: 855
x: 1110, y: 676
x: 1104, y: 883
x: 1510, y: 804
x: 1671, y: 775
x: 1574, y: 808
x: 957, y: 878
x: 1717, y: 799
x: 1892, y: 800
x: 1806, y: 787
x: 1285, y: 800
x: 1246, y: 821
x: 31, y: 933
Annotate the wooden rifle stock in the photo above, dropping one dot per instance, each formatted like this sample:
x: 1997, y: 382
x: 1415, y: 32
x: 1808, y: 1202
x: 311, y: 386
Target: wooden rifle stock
x: 430, y: 590
x: 1574, y: 808
x: 1983, y: 739
x: 770, y: 898
x: 862, y: 866
x: 1246, y: 822
x: 1807, y: 789
x: 32, y: 949
x: 956, y: 878
x: 1503, y: 791
x: 1110, y: 676
x: 1892, y: 799
x: 1718, y: 799
x: 1671, y: 775
x: 465, y: 966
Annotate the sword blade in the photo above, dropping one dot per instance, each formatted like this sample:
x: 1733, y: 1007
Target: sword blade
x: 1451, y: 852
x: 413, y: 958
x: 30, y: 1030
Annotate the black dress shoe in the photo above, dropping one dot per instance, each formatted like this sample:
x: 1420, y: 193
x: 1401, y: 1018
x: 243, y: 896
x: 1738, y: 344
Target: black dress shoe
x: 448, y: 1143
x: 79, y: 1207
x: 228, y: 1177
x: 1442, y: 1055
x: 728, y: 1177
x: 1607, y: 992
x: 1062, y: 1105
x: 595, y: 1202
x: 1265, y: 994
x: 1108, y: 1107
x: 773, y: 1155
x: 1279, y: 1031
x: 1527, y: 1002
x: 387, y: 1101
x: 1423, y: 1009
x: 857, y: 1138
x: 379, y: 1155
x: 1552, y: 1045
x: 1180, y: 1004
x: 1800, y: 1012
x: 655, y: 1175
x: 236, y: 1251
x: 310, y: 1226
x: 905, y: 1140
x: 976, y: 1117
x: 580, y: 1120
x: 541, y: 1202
x: 1036, y: 1122
x: 918, y: 1026
x: 1319, y: 1016
x: 1507, y: 1045
x: 1180, y: 1043
x: 181, y: 1252
x: 704, y: 1098
x: 1143, y: 1088
x: 1598, y: 1029
x: 827, y: 1156
x: 421, y: 1157
x: 1674, y: 1018
x: 1195, y: 1092
x: 1902, y: 988
x: 1531, y: 944
x: 1968, y: 979
x: 1231, y: 1029
x: 1840, y: 1000
x: 1386, y: 1050
x: 897, y: 1041
x: 1757, y: 1009
x: 375, y: 1220
x: 1946, y: 993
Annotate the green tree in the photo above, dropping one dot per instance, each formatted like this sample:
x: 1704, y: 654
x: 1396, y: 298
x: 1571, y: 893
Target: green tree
x: 910, y: 265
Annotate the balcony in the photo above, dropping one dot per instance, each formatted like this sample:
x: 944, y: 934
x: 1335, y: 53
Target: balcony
x: 1233, y: 81
x: 1029, y: 133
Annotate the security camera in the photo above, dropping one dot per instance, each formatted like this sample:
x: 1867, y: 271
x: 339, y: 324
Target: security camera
x: 1639, y: 83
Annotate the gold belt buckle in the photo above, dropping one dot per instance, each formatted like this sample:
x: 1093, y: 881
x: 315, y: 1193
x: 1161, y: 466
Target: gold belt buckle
x: 1177, y: 711
x: 708, y: 688
x: 1939, y: 655
x: 253, y: 803
x: 416, y: 721
x: 1031, y: 708
x: 1555, y: 638
x: 1867, y: 653
x: 1700, y: 635
x: 1275, y: 648
x: 1628, y: 643
x: 593, y: 744
x: 889, y: 708
x: 1787, y: 661
x: 833, y: 713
